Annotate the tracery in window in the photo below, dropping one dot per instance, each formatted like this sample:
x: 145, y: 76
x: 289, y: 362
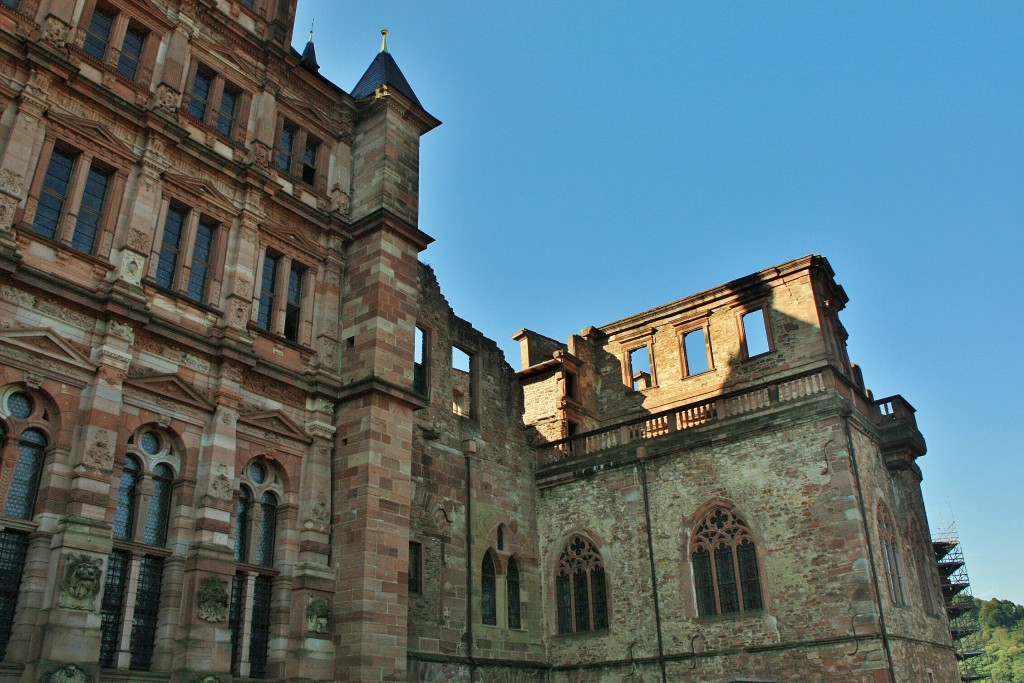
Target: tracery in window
x: 726, y: 576
x: 580, y: 590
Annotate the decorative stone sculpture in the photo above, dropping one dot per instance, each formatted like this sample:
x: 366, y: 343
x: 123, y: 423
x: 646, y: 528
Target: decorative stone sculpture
x: 317, y: 615
x: 213, y: 599
x: 68, y: 674
x: 81, y: 583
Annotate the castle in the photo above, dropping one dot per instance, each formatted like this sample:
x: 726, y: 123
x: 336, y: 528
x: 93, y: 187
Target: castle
x: 245, y: 437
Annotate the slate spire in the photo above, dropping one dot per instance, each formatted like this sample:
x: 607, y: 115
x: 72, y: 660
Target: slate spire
x: 309, y: 54
x: 384, y: 71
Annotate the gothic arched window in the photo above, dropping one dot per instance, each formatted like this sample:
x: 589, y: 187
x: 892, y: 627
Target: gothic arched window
x: 268, y: 530
x: 725, y: 570
x: 581, y: 595
x: 128, y: 627
x: 488, y: 591
x: 515, y: 619
x: 242, y: 509
x: 891, y: 556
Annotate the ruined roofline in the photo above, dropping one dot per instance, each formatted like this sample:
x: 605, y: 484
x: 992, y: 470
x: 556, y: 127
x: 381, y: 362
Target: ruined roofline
x: 732, y: 289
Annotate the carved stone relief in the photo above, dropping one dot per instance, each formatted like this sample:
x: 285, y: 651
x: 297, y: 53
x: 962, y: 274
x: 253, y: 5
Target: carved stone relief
x: 220, y: 485
x: 213, y: 599
x: 11, y: 182
x: 81, y: 582
x: 317, y: 615
x: 138, y: 241
x: 131, y: 270
x: 99, y: 454
x: 68, y: 674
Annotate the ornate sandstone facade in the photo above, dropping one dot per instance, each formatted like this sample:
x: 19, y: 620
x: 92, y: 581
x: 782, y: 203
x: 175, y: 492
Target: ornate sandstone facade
x: 244, y: 436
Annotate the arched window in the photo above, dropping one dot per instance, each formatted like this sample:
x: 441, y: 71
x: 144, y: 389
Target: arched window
x: 128, y: 627
x: 126, y: 497
x: 891, y: 556
x: 251, y: 588
x: 23, y: 448
x: 501, y: 537
x: 580, y: 590
x: 488, y: 591
x: 268, y: 530
x: 512, y: 593
x: 725, y: 570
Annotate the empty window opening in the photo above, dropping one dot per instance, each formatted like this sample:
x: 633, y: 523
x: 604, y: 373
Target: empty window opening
x: 570, y: 384
x: 462, y: 383
x: 640, y: 368
x: 419, y: 368
x: 696, y: 351
x: 755, y: 333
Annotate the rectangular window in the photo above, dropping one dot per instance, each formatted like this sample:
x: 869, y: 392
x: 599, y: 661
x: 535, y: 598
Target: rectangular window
x: 131, y: 52
x: 265, y: 315
x: 309, y: 161
x: 755, y: 333
x: 570, y: 384
x: 696, y: 355
x: 236, y: 609
x: 110, y: 609
x: 415, y: 567
x: 462, y: 383
x: 260, y: 638
x: 97, y: 36
x: 202, y: 85
x: 202, y: 254
x: 228, y: 111
x: 293, y: 305
x: 419, y: 367
x: 54, y: 193
x: 286, y: 148
x: 90, y: 213
x: 640, y: 374
x: 167, y: 264
x: 13, y: 549
x: 147, y: 609
x: 13, y: 4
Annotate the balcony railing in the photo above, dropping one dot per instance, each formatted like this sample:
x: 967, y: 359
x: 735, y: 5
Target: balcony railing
x: 718, y: 408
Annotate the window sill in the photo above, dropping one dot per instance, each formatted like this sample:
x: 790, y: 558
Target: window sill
x: 139, y: 83
x: 598, y: 633
x: 228, y: 140
x: 280, y: 338
x: 65, y: 249
x: 709, y: 371
x: 732, y: 616
x: 183, y: 298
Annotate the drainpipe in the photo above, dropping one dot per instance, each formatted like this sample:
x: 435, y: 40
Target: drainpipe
x: 641, y: 457
x: 871, y: 552
x: 469, y: 450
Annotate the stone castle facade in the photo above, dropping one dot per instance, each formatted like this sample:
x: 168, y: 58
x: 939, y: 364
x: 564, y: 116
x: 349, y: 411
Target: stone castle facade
x: 245, y: 437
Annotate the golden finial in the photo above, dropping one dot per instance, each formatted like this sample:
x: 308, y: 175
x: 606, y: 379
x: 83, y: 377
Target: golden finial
x: 311, y: 25
x: 384, y: 40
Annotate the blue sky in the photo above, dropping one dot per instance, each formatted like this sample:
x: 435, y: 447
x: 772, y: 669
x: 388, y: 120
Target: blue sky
x: 600, y: 158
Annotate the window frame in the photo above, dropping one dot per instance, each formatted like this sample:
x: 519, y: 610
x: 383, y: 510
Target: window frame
x: 589, y: 557
x: 629, y: 346
x: 213, y: 104
x: 84, y: 161
x: 277, y: 318
x: 688, y: 328
x: 718, y: 527
x: 296, y: 167
x: 194, y: 214
x: 891, y: 562
x: 741, y: 313
x: 123, y: 21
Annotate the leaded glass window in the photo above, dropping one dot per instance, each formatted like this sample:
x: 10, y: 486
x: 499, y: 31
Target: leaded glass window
x: 581, y: 595
x: 53, y: 194
x: 126, y: 497
x: 488, y: 592
x: 21, y: 496
x: 13, y: 549
x: 155, y: 532
x: 202, y: 256
x: 114, y: 589
x: 20, y: 404
x: 512, y: 594
x: 242, y: 510
x: 170, y: 247
x: 268, y: 530
x: 260, y: 638
x: 725, y: 567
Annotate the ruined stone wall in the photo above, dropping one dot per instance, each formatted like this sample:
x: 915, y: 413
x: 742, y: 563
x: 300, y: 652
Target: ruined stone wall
x: 502, y: 493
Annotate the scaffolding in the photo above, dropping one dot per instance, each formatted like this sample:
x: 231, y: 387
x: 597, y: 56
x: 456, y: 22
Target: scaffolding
x: 960, y: 608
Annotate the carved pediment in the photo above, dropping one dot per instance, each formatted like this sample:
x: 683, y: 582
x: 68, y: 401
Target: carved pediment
x: 173, y: 387
x: 45, y: 343
x: 93, y: 130
x: 202, y: 188
x: 275, y: 421
x: 289, y: 236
